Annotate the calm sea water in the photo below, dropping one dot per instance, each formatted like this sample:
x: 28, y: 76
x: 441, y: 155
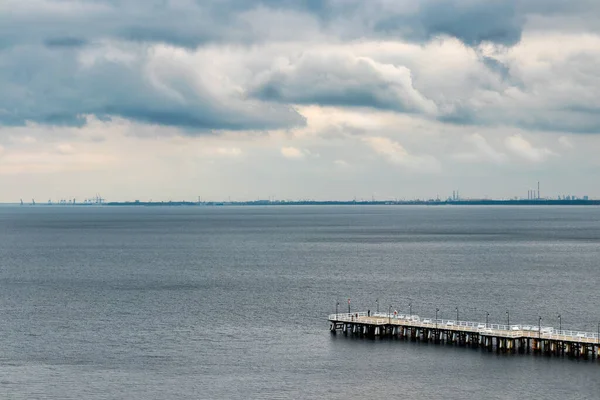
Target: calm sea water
x: 226, y: 303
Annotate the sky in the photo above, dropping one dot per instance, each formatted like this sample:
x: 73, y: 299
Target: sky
x: 298, y: 99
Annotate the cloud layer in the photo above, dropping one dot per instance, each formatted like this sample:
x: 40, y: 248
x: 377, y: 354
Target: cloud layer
x: 157, y: 85
x: 232, y: 64
x: 378, y: 90
x: 192, y: 23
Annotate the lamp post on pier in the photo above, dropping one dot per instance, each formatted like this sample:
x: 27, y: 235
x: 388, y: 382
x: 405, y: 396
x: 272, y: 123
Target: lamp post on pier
x: 410, y: 309
x: 508, y: 319
x: 337, y: 304
x: 559, y: 324
x: 348, y: 306
x: 540, y: 328
x: 377, y: 302
x: 456, y: 315
x: 436, y: 312
x: 487, y: 314
x: 390, y: 315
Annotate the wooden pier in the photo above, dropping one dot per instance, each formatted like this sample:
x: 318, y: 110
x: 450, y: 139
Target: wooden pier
x: 524, y: 339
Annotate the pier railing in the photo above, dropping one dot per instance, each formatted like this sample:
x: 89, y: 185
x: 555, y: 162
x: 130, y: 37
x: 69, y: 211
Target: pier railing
x: 520, y: 330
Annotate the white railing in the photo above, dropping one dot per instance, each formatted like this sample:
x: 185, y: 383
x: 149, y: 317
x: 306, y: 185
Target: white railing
x: 522, y: 330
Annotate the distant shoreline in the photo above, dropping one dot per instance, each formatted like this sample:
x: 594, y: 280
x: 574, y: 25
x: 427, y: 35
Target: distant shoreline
x: 367, y: 203
x: 329, y: 203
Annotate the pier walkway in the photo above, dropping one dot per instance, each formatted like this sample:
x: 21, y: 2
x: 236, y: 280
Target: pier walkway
x: 502, y: 338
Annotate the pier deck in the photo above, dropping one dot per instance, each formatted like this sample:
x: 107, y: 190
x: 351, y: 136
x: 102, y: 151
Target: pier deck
x: 503, y: 338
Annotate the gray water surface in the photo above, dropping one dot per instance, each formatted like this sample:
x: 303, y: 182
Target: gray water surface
x: 228, y: 302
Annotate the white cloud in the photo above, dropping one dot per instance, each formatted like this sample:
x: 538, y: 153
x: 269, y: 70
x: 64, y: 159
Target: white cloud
x: 24, y: 138
x: 393, y: 151
x: 551, y: 84
x: 396, y: 154
x: 483, y: 151
x: 565, y: 142
x: 228, y: 151
x: 65, y: 149
x: 292, y: 153
x: 522, y: 148
x: 338, y: 77
x: 45, y: 163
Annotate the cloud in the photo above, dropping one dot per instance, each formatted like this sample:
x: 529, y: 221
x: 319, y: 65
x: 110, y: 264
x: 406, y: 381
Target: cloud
x: 472, y: 22
x: 550, y: 90
x: 156, y: 85
x: 522, y: 148
x: 293, y: 153
x: 236, y: 65
x: 486, y: 86
x: 542, y: 83
x: 65, y: 149
x: 341, y: 78
x: 65, y: 41
x: 189, y: 23
x: 483, y: 151
x: 395, y: 153
x: 163, y: 164
x: 565, y: 142
x: 44, y: 163
x: 210, y: 91
x: 228, y: 151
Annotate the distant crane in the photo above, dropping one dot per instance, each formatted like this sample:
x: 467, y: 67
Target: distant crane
x: 21, y: 201
x: 97, y: 199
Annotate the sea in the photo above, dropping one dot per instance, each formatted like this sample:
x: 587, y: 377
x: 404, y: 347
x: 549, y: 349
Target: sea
x: 232, y: 302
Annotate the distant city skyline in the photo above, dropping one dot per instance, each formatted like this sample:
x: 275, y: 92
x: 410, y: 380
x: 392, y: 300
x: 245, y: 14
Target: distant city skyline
x: 321, y: 100
x: 454, y: 197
